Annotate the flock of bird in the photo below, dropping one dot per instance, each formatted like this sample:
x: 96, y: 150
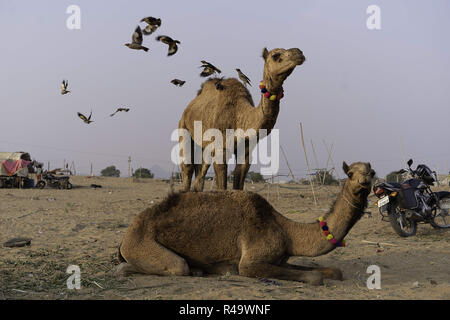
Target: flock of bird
x: 152, y: 24
x: 87, y: 120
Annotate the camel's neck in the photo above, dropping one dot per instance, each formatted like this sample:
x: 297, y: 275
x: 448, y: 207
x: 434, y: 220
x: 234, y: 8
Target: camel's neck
x: 307, y: 239
x: 266, y: 113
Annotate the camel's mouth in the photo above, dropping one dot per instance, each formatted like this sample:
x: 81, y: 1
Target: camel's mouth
x: 287, y: 72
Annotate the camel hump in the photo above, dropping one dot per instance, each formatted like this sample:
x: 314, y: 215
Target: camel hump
x: 231, y: 89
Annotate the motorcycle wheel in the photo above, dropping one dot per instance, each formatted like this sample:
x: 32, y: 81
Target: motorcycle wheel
x: 441, y: 218
x: 69, y: 186
x: 40, y: 185
x: 402, y: 226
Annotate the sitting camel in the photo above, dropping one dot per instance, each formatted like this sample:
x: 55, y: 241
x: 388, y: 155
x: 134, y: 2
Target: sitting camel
x: 241, y: 233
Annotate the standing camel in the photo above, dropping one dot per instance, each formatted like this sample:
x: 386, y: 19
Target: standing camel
x: 233, y: 108
x: 240, y: 232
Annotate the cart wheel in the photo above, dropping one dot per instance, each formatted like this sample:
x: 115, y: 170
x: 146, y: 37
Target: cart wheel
x: 40, y: 185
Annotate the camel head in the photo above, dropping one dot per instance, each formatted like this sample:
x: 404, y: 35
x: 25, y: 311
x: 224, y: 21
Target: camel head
x: 279, y: 64
x: 360, y: 175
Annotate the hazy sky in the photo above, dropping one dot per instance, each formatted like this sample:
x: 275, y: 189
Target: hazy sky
x: 364, y: 90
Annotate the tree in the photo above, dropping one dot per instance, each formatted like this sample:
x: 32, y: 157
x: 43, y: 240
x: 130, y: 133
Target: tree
x: 394, y: 176
x: 143, y: 173
x: 110, y: 171
x: 255, y: 176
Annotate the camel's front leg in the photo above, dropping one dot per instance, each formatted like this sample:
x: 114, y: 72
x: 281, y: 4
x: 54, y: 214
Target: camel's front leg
x: 200, y: 173
x: 187, y: 163
x: 240, y: 172
x: 327, y: 273
x: 257, y: 269
x: 187, y: 170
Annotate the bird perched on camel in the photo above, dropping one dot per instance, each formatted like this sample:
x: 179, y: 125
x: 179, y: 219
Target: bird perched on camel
x: 245, y: 80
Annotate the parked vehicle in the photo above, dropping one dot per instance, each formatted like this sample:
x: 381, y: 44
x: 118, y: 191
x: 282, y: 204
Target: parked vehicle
x: 411, y: 202
x: 53, y: 180
x: 14, y: 170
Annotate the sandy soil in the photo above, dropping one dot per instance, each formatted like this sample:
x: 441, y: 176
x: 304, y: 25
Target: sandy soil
x: 84, y: 226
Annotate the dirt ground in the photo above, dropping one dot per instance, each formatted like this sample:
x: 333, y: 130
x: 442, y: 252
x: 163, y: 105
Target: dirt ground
x: 84, y: 227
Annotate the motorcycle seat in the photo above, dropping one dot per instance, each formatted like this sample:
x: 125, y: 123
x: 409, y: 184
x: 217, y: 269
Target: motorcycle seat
x: 394, y: 185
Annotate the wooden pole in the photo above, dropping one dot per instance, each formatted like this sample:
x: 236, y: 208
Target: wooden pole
x: 307, y: 165
x: 328, y: 160
x: 332, y: 162
x: 315, y: 155
x: 92, y: 171
x: 318, y: 171
x: 285, y: 158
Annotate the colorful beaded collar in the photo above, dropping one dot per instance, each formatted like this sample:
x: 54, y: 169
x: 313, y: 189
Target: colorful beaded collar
x: 329, y: 236
x: 270, y: 96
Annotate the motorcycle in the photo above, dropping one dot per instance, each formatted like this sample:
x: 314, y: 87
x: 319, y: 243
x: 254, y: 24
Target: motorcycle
x: 54, y: 181
x: 411, y: 202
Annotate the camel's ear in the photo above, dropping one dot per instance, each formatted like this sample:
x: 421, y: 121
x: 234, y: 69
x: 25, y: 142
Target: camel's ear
x: 345, y: 167
x: 265, y: 53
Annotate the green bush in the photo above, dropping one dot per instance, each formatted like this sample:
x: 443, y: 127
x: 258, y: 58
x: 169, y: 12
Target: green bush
x: 110, y: 171
x: 143, y: 173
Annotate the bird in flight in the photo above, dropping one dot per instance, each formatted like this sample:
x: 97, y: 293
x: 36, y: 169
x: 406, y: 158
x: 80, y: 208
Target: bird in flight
x: 173, y: 48
x: 243, y: 78
x: 119, y: 110
x: 208, y: 69
x: 83, y: 117
x: 152, y: 25
x: 178, y: 82
x: 136, y: 40
x: 64, y: 86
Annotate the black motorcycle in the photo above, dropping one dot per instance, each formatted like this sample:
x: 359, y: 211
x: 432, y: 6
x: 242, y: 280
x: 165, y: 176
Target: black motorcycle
x: 413, y: 201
